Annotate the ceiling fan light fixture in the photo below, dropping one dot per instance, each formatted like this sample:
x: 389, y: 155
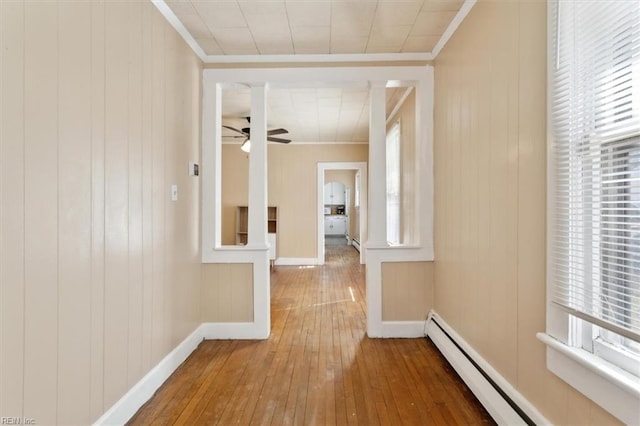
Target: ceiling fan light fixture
x: 246, y: 146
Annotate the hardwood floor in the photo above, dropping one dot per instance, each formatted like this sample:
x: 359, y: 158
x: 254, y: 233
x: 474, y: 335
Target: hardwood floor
x: 317, y: 368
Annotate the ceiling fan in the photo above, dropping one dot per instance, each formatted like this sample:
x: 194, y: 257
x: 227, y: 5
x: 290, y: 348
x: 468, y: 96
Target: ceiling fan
x: 245, y: 133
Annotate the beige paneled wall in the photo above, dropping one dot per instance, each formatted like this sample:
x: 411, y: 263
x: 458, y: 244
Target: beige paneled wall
x: 227, y: 292
x: 99, y: 270
x: 348, y: 178
x: 292, y: 188
x: 490, y: 131
x: 407, y: 290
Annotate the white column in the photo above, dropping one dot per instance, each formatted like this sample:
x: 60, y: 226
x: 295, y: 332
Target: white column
x: 377, y: 165
x: 258, y: 168
x: 211, y: 166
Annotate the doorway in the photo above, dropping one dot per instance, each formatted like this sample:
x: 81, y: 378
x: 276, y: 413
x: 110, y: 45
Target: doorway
x: 357, y: 195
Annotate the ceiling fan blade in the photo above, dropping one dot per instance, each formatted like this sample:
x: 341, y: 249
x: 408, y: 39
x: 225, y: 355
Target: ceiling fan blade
x: 279, y: 140
x: 277, y: 132
x: 234, y: 129
x: 235, y: 137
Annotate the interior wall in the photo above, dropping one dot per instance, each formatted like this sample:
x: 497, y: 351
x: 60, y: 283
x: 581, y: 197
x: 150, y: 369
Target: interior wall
x: 227, y: 292
x: 99, y: 269
x: 407, y: 290
x: 292, y: 188
x: 348, y: 178
x: 490, y: 180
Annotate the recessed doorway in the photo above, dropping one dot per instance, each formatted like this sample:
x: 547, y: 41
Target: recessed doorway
x: 353, y: 198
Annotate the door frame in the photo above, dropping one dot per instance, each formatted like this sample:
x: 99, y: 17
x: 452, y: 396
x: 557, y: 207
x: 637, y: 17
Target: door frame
x: 364, y: 213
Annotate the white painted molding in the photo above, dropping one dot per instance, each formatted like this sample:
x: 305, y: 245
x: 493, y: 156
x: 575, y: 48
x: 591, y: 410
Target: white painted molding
x: 141, y: 392
x: 398, y: 105
x: 296, y: 261
x: 613, y: 389
x: 453, y: 26
x: 403, y: 329
x: 237, y: 142
x: 173, y: 20
x: 233, y: 330
x: 318, y: 58
x: 451, y: 347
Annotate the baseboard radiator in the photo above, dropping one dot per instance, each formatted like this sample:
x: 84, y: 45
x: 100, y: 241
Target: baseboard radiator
x: 503, y: 402
x: 356, y: 244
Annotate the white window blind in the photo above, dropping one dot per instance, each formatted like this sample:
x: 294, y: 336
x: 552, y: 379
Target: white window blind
x: 595, y: 161
x: 393, y: 184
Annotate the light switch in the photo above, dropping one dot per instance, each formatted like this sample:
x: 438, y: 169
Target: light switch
x: 174, y: 192
x: 194, y: 169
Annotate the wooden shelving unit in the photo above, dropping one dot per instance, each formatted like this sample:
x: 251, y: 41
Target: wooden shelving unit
x: 242, y: 227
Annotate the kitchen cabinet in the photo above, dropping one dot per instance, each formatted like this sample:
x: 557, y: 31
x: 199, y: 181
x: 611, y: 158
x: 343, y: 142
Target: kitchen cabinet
x: 334, y: 193
x: 335, y: 225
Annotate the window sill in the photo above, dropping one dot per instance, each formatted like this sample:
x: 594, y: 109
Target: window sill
x: 612, y: 388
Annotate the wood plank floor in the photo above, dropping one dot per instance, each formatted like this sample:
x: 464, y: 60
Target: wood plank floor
x: 317, y: 368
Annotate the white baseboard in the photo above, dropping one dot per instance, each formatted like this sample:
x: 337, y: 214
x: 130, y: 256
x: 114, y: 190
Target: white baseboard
x: 233, y: 330
x: 356, y: 244
x: 141, y: 392
x: 452, y: 345
x: 409, y: 329
x: 296, y: 261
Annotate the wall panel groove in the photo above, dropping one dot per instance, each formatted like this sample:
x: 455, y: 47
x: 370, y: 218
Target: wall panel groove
x: 94, y: 290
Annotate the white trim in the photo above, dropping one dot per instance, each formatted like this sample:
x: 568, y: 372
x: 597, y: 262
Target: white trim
x: 318, y: 58
x: 298, y: 142
x: 376, y: 256
x: 296, y: 261
x: 421, y: 77
x: 396, y: 108
x: 379, y: 252
x: 321, y: 169
x: 175, y: 22
x: 403, y: 329
x: 608, y: 386
x: 232, y: 331
x: 356, y: 244
x: 453, y: 26
x: 492, y: 401
x: 127, y: 406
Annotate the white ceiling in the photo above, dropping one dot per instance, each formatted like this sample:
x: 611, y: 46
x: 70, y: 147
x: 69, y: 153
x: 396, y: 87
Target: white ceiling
x: 251, y: 29
x: 310, y: 115
x: 283, y: 27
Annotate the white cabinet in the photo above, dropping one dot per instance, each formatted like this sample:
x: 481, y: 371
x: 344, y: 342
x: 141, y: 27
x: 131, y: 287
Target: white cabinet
x: 335, y: 225
x: 327, y: 225
x: 340, y: 225
x: 334, y: 193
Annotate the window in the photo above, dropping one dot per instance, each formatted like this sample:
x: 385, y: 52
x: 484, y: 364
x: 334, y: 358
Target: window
x: 356, y: 197
x: 393, y: 184
x: 594, y: 189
